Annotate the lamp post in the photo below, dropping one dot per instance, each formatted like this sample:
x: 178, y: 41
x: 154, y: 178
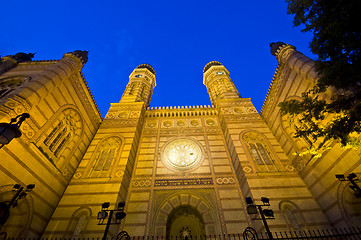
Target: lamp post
x: 9, y: 131
x: 350, y: 178
x: 105, y: 212
x: 20, y: 193
x: 265, y: 213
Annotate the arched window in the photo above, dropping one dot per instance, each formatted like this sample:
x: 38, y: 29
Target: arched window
x: 66, y: 128
x: 61, y: 137
x: 78, y: 223
x: 292, y: 216
x: 260, y: 152
x: 106, y: 151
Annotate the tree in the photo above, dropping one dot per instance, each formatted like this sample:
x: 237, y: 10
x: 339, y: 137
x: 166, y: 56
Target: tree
x: 335, y: 25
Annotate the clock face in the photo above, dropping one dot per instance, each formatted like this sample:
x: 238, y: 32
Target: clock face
x: 220, y: 73
x: 182, y: 154
x: 138, y: 76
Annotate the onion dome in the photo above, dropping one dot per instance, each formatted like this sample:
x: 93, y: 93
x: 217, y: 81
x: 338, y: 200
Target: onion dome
x: 210, y: 64
x: 276, y: 47
x: 82, y: 55
x: 23, y: 57
x: 147, y: 66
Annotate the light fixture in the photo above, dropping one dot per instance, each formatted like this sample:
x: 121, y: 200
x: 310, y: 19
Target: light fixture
x: 265, y: 201
x: 105, y: 205
x: 249, y: 200
x: 9, y: 131
x: 252, y: 209
x: 121, y: 205
x: 352, y: 176
x: 268, y: 213
x: 30, y: 187
x: 120, y: 215
x: 102, y: 215
x: 340, y: 177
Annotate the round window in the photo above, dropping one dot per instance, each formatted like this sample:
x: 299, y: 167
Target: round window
x: 182, y: 154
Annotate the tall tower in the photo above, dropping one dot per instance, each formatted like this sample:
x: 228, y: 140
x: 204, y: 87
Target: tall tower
x: 260, y: 165
x: 140, y: 86
x: 219, y: 84
x: 105, y: 171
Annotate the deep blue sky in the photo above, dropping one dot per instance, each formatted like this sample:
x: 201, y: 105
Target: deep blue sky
x: 178, y: 38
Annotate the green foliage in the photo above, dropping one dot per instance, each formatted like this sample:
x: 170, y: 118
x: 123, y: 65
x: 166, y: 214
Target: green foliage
x: 337, y: 42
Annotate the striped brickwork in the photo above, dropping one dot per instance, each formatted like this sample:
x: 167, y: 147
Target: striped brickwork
x: 296, y: 74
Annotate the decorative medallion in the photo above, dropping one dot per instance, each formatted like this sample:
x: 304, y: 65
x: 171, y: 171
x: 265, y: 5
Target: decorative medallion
x: 167, y: 124
x: 182, y: 154
x: 210, y: 122
x: 151, y: 124
x: 194, y: 123
x: 181, y: 124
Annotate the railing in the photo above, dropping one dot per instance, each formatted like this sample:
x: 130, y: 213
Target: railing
x: 353, y: 233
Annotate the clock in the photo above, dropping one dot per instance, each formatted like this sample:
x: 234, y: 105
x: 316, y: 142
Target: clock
x: 220, y: 73
x: 138, y: 76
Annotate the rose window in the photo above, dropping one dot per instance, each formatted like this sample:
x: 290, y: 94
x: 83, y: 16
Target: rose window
x: 182, y: 154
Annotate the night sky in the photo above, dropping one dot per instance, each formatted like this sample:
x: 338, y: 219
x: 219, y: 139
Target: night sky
x: 177, y: 38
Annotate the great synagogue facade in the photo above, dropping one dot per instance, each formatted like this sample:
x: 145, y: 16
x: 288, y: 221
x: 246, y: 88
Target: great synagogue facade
x: 180, y: 170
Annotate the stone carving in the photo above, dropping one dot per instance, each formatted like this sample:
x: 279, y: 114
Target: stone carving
x: 167, y: 123
x: 119, y: 174
x: 183, y: 182
x: 225, y: 180
x: 151, y: 124
x: 210, y: 122
x: 135, y: 114
x: 194, y: 123
x: 122, y: 114
x: 141, y: 183
x: 290, y: 168
x: 226, y: 111
x: 247, y: 169
x: 78, y: 175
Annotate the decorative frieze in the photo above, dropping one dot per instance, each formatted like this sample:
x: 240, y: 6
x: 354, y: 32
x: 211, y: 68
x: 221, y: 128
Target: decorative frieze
x: 183, y: 182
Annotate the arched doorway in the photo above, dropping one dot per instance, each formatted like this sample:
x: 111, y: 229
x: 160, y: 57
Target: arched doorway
x: 185, y: 222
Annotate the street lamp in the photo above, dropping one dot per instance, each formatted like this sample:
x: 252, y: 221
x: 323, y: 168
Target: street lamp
x: 265, y: 213
x: 352, y: 177
x: 20, y: 193
x: 9, y: 131
x: 105, y: 212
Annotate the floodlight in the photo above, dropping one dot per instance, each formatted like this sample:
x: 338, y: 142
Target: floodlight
x: 340, y: 177
x: 17, y: 186
x: 105, y: 205
x: 268, y: 212
x: 249, y: 200
x: 265, y: 201
x: 352, y: 176
x: 30, y: 187
x: 22, y: 195
x: 120, y: 215
x: 102, y: 215
x: 121, y: 205
x: 252, y: 209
